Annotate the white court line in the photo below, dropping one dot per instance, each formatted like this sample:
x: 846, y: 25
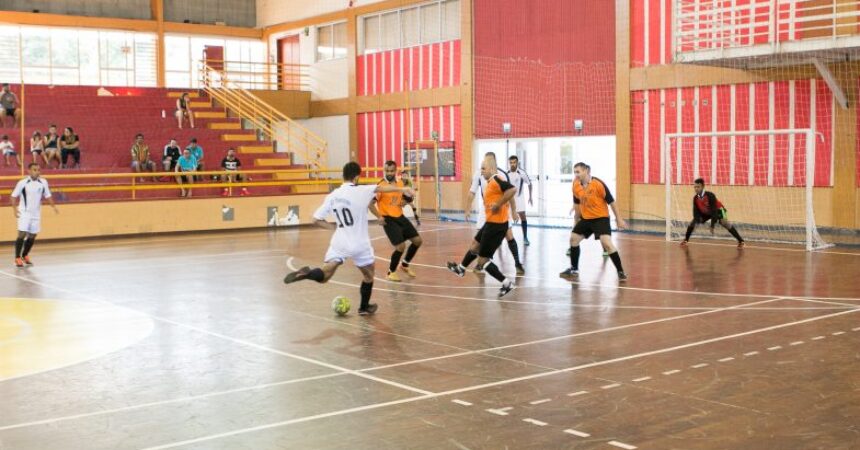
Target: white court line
x: 699, y: 366
x: 730, y: 358
x: 461, y: 402
x: 746, y: 247
x: 493, y: 384
x: 775, y: 347
x: 837, y: 333
x: 538, y: 402
x: 610, y: 386
x: 576, y: 433
x: 622, y: 445
x: 227, y: 338
x: 753, y: 353
x: 817, y: 338
x: 671, y: 372
x: 796, y: 343
x: 577, y: 393
x: 639, y: 380
x: 496, y: 411
x: 535, y: 422
x: 855, y: 329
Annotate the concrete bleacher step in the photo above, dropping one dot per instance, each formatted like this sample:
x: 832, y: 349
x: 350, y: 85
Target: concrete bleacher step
x: 176, y: 94
x: 201, y: 104
x: 224, y: 126
x: 239, y: 137
x: 255, y: 149
x: 284, y: 162
x: 210, y: 115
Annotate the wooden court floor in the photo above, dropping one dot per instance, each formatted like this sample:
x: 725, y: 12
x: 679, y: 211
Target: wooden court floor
x: 193, y: 342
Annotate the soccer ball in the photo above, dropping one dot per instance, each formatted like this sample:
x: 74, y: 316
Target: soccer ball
x: 340, y: 305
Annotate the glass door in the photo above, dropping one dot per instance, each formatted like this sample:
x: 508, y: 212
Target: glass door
x: 529, y: 154
x: 559, y: 157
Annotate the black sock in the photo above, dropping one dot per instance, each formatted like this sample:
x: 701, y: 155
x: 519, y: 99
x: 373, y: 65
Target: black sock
x: 316, y: 274
x: 574, y: 257
x: 735, y: 233
x: 690, y: 229
x: 410, y: 253
x: 468, y: 258
x: 395, y: 260
x: 512, y: 244
x: 28, y: 245
x: 616, y: 259
x: 366, y: 289
x: 525, y: 225
x: 19, y: 246
x: 494, y: 271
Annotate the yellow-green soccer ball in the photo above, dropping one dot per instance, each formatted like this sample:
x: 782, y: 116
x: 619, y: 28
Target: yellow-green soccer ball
x: 340, y: 305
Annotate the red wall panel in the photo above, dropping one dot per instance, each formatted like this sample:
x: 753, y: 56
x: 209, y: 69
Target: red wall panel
x: 424, y: 67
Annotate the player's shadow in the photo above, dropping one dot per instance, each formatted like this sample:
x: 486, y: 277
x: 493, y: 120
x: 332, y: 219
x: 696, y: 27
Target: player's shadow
x: 710, y: 272
x: 374, y: 342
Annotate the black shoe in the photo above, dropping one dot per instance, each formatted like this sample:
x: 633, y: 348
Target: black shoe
x: 526, y: 242
x: 622, y: 276
x: 298, y: 275
x: 506, y: 288
x: 520, y: 270
x: 454, y: 267
x: 569, y: 273
x: 371, y: 308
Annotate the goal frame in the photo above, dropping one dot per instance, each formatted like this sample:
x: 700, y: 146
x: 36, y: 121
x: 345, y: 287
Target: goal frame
x: 810, y: 171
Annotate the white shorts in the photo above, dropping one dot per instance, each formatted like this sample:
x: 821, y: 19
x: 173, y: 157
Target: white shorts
x: 521, y: 204
x: 361, y: 257
x: 29, y: 223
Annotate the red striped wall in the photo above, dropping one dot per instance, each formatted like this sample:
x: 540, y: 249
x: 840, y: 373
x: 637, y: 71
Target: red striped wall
x: 650, y: 32
x: 414, y: 68
x: 774, y: 160
x: 383, y: 135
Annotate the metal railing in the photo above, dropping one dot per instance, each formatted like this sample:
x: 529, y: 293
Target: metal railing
x: 706, y: 25
x: 264, y: 75
x: 271, y: 123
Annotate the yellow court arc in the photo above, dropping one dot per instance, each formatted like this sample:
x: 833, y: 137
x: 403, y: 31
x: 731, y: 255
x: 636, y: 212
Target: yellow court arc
x: 37, y: 335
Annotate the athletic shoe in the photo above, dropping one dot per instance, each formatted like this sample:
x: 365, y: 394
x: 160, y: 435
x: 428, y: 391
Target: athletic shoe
x: 298, y: 275
x: 508, y: 286
x: 19, y: 262
x: 27, y: 261
x: 408, y: 271
x: 520, y: 270
x: 392, y: 276
x: 741, y: 244
x: 526, y: 242
x: 417, y: 221
x: 622, y: 276
x: 371, y: 308
x: 684, y: 243
x: 457, y: 268
x: 569, y: 273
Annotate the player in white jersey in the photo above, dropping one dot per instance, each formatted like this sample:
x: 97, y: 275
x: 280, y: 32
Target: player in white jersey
x: 29, y: 193
x: 479, y: 185
x: 349, y: 203
x: 520, y: 179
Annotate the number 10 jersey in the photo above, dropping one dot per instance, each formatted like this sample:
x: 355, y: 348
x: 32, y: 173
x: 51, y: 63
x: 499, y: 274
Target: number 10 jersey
x: 349, y: 204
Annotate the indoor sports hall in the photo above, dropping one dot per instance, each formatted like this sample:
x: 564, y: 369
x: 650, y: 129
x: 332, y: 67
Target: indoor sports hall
x: 430, y: 224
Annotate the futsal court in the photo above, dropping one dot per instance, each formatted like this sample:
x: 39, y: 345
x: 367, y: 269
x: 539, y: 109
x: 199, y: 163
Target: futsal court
x: 192, y: 341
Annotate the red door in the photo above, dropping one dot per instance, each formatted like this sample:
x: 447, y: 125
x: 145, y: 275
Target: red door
x: 289, y: 59
x: 214, y: 56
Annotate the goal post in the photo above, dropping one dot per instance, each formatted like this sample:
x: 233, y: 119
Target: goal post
x: 765, y: 180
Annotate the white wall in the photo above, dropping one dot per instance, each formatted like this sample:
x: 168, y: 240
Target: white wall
x: 273, y: 12
x: 328, y: 79
x: 335, y: 130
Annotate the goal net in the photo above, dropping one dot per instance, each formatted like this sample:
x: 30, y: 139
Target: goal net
x: 764, y: 180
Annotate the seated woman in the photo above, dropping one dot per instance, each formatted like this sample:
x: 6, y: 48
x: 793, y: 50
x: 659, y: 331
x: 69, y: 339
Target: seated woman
x: 183, y: 110
x: 52, y: 147
x: 37, y: 147
x: 70, y: 145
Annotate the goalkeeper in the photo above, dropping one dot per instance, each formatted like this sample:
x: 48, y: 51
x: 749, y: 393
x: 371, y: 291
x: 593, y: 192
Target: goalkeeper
x: 706, y: 207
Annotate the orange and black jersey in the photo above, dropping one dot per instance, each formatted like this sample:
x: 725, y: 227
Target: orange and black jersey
x: 496, y: 188
x: 593, y: 199
x: 390, y: 204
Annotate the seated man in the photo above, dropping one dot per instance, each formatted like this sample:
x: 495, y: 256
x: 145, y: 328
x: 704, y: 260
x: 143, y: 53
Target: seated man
x: 185, y: 163
x: 197, y: 153
x: 231, y: 165
x: 9, y: 107
x: 140, y: 156
x: 170, y: 156
x: 8, y: 150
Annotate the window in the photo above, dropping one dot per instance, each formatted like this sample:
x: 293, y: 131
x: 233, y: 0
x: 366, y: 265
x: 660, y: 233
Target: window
x: 331, y: 41
x: 431, y: 22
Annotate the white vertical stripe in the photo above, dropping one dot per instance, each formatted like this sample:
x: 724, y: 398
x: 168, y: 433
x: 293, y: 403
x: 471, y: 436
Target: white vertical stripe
x: 384, y: 136
x: 791, y: 138
x: 452, y: 110
x: 441, y: 65
x: 393, y: 130
x: 366, y: 139
x: 714, y: 142
x: 420, y: 68
x: 662, y: 134
x: 771, y: 139
x: 392, y: 87
x: 812, y: 116
x: 646, y: 38
x: 403, y: 136
x: 678, y: 129
x: 751, y: 161
x: 733, y: 140
x: 696, y: 140
x: 408, y: 87
x: 376, y: 144
x: 451, y: 63
x: 662, y: 32
x: 645, y: 139
x: 364, y: 69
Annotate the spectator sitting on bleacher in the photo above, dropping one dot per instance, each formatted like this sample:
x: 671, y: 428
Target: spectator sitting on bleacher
x: 197, y: 153
x: 70, y: 145
x: 186, y: 163
x: 8, y: 149
x: 231, y: 164
x: 52, y: 146
x: 170, y: 156
x: 140, y: 156
x: 183, y: 110
x: 37, y: 147
x: 9, y: 107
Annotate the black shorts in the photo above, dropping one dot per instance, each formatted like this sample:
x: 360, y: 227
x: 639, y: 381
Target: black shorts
x: 490, y: 236
x: 399, y: 229
x: 720, y: 215
x: 10, y: 112
x: 598, y: 227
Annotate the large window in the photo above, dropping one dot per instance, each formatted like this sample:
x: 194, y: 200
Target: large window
x: 79, y: 57
x: 427, y: 23
x: 331, y: 41
x: 244, y: 59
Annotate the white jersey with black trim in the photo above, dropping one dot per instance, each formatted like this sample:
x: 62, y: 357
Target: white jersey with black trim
x: 520, y: 179
x: 348, y: 204
x: 31, y: 192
